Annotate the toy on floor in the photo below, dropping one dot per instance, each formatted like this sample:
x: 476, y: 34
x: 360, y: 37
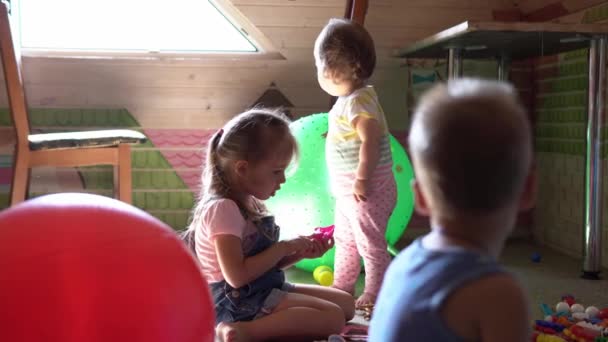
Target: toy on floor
x: 368, y: 310
x: 535, y: 257
x: 351, y: 332
x: 568, y: 298
x: 323, y: 275
x: 571, y: 322
x: 536, y: 337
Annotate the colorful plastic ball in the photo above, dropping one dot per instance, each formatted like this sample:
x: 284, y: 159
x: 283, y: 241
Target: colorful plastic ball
x: 563, y: 320
x: 305, y: 200
x: 562, y: 307
x: 577, y: 308
x: 549, y: 338
x: 580, y: 316
x: 603, y: 313
x: 79, y: 267
x: 323, y: 275
x: 592, y: 311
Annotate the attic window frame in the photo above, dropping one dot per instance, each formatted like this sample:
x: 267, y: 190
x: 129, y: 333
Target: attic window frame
x: 266, y: 49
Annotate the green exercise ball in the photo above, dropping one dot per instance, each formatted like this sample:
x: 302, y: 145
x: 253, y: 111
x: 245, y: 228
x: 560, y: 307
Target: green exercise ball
x: 305, y: 201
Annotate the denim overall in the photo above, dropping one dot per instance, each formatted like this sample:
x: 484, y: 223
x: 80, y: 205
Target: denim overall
x: 259, y: 297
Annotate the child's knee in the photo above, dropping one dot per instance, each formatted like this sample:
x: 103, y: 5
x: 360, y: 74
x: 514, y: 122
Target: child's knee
x: 349, y: 312
x: 347, y: 304
x: 335, y: 318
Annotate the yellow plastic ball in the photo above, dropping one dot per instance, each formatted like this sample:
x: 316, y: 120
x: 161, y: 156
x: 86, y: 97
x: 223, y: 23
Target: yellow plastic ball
x: 323, y: 275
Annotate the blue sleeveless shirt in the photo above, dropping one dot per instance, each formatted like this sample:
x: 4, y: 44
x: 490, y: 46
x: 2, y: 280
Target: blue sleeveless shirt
x: 415, y: 287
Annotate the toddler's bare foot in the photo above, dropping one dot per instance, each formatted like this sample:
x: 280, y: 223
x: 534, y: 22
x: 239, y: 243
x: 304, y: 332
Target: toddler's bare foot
x: 229, y: 332
x: 365, y: 301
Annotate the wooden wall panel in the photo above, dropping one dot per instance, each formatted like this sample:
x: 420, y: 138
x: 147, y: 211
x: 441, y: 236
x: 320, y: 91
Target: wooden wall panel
x: 552, y: 9
x: 488, y: 4
x: 204, y: 93
x: 529, y: 6
x: 434, y: 19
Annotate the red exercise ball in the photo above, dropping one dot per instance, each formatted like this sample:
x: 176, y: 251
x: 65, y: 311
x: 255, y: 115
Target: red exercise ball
x: 79, y: 267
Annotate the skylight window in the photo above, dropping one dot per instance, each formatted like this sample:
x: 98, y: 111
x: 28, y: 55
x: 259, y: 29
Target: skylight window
x: 186, y: 26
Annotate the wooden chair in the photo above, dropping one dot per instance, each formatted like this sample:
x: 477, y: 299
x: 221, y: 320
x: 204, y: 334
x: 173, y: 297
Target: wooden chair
x: 69, y: 149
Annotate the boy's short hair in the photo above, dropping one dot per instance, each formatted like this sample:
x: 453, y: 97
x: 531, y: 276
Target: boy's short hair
x: 346, y: 50
x: 472, y: 140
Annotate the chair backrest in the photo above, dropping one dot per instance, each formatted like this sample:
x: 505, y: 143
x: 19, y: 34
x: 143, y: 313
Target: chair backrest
x: 11, y: 63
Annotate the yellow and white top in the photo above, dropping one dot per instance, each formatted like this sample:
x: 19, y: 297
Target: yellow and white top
x: 343, y: 142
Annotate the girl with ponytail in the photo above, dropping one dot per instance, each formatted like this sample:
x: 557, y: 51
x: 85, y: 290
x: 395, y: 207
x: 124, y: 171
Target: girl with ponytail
x: 235, y: 239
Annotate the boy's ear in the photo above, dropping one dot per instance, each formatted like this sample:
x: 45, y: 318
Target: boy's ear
x: 528, y: 196
x: 420, y: 202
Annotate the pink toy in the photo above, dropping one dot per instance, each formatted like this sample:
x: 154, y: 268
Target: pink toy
x: 324, y: 233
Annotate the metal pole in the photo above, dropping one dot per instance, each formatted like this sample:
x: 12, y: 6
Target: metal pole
x: 503, y: 67
x: 592, y: 248
x: 454, y: 63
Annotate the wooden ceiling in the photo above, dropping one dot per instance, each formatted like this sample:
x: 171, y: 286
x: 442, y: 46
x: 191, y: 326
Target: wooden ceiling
x: 187, y: 94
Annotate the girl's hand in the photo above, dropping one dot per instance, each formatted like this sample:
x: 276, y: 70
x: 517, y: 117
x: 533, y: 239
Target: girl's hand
x: 361, y: 190
x: 320, y: 247
x: 297, y: 245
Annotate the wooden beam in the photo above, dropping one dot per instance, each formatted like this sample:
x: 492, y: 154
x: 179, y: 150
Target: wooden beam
x: 356, y: 10
x: 359, y: 10
x: 348, y: 9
